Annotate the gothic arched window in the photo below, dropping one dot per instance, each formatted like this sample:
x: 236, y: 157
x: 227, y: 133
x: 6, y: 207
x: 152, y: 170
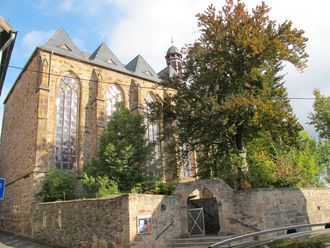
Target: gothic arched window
x: 152, y: 127
x: 152, y: 134
x: 113, y: 96
x: 66, y: 123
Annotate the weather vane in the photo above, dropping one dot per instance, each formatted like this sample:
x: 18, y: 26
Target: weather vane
x: 172, y: 40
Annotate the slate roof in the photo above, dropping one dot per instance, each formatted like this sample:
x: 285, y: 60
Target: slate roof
x: 61, y: 43
x: 141, y: 67
x: 168, y: 71
x: 173, y: 49
x: 103, y: 53
x: 60, y: 40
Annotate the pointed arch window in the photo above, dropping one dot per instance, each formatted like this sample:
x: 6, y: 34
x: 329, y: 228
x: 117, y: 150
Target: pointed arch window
x: 66, y: 123
x: 187, y: 161
x: 152, y: 135
x: 152, y: 127
x: 113, y: 96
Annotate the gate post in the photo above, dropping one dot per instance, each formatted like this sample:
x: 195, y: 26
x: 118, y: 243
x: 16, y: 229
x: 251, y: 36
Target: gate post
x: 222, y: 223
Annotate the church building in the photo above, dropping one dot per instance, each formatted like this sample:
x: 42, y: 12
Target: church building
x: 57, y: 109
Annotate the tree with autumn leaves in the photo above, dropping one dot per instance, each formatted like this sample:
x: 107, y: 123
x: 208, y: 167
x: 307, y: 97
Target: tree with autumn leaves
x: 230, y: 105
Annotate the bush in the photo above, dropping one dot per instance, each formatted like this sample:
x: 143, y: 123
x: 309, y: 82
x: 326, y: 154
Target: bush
x: 155, y: 187
x: 99, y: 186
x: 59, y: 185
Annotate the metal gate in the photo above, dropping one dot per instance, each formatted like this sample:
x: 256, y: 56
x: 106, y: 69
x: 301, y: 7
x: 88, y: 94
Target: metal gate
x: 196, y: 224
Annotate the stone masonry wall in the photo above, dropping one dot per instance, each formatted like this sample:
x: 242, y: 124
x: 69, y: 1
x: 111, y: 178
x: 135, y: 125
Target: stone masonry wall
x: 101, y: 223
x: 15, y: 212
x: 93, y: 84
x: 112, y: 222
x: 106, y: 223
x: 165, y: 212
x: 17, y: 150
x: 269, y: 208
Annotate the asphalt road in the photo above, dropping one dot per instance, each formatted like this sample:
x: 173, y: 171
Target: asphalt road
x: 9, y: 240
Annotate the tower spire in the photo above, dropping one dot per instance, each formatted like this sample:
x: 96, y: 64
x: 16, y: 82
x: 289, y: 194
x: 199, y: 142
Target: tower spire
x: 174, y: 58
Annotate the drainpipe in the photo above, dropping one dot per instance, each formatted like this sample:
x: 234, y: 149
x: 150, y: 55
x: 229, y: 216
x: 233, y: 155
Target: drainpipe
x: 9, y: 41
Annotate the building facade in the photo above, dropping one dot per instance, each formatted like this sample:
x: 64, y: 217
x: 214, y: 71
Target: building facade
x: 57, y: 109
x: 7, y: 40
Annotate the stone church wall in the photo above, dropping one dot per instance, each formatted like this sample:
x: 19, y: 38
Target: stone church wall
x: 15, y: 211
x: 28, y: 132
x: 93, y: 84
x: 17, y: 150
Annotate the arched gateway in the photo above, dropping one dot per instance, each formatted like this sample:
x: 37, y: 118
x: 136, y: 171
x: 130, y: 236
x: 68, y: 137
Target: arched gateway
x: 204, y: 206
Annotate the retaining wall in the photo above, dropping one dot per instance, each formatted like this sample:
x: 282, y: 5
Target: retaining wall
x: 113, y: 222
x: 108, y: 222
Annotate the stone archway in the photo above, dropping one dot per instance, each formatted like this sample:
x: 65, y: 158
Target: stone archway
x: 221, y: 193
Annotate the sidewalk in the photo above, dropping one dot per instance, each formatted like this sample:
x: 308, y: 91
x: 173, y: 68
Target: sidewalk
x: 10, y: 240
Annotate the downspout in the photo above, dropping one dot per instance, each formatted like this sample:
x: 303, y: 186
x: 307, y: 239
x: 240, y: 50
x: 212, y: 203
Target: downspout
x: 9, y: 41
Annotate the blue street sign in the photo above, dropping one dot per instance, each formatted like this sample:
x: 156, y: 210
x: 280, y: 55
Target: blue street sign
x: 2, y: 188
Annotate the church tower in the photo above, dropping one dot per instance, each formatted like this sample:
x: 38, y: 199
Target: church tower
x: 174, y: 59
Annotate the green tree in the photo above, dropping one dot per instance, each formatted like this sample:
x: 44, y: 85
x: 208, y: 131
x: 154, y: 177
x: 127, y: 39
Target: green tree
x: 232, y: 89
x: 274, y: 164
x: 320, y: 118
x: 324, y: 159
x: 59, y: 185
x: 124, y: 154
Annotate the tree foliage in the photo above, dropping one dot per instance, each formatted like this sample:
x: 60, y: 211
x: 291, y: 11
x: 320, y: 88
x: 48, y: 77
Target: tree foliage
x: 232, y: 89
x: 274, y: 164
x: 124, y: 152
x: 98, y: 186
x: 59, y: 185
x: 320, y: 118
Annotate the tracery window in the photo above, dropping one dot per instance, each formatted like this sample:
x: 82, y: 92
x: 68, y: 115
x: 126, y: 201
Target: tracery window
x: 187, y: 161
x: 66, y: 123
x: 113, y: 96
x: 152, y: 134
x: 152, y: 127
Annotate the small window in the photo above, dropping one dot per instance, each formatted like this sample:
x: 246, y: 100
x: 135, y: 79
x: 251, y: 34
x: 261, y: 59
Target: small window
x: 110, y: 61
x: 64, y: 46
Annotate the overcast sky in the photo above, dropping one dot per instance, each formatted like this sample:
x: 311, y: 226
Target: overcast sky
x: 145, y: 27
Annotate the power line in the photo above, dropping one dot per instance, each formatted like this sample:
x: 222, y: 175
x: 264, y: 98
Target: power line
x: 145, y: 87
x: 82, y: 79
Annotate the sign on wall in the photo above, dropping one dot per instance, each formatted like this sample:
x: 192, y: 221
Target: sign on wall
x: 144, y: 224
x: 2, y: 188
